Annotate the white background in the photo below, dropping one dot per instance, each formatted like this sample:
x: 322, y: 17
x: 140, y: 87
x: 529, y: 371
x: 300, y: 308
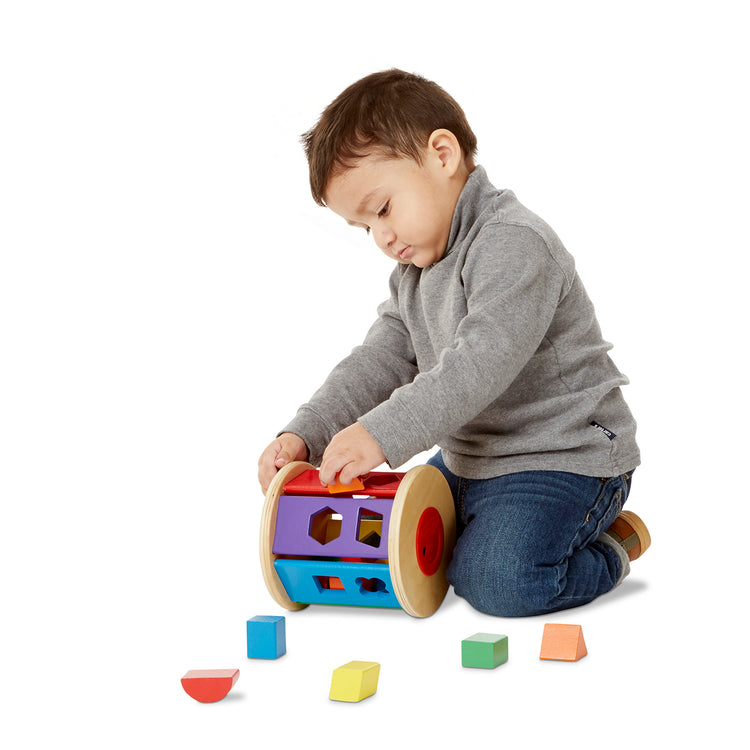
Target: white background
x: 169, y: 294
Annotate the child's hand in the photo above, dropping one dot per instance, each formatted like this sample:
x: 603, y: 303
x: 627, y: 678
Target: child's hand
x: 351, y: 453
x: 286, y: 448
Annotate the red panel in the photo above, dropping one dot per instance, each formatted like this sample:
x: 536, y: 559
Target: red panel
x: 377, y: 484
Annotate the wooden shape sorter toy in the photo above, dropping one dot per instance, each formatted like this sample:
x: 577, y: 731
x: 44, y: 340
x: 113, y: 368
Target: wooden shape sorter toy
x: 385, y: 545
x: 562, y: 642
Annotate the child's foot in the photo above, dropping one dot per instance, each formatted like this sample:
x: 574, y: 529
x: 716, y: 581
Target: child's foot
x: 630, y: 533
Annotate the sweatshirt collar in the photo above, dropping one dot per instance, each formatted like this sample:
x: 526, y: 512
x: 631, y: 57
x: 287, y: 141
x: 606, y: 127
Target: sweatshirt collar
x: 471, y: 203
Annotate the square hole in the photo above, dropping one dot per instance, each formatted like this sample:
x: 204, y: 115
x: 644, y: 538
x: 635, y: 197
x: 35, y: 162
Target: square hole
x: 369, y: 527
x: 328, y: 583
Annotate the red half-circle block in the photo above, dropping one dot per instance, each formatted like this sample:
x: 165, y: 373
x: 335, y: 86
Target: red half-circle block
x: 209, y: 685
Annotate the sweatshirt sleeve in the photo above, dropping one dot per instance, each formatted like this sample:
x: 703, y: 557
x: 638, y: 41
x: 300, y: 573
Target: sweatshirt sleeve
x: 512, y: 283
x: 382, y: 363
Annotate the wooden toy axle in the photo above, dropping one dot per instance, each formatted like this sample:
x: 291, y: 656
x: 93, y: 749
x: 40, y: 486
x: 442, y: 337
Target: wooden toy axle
x: 385, y: 545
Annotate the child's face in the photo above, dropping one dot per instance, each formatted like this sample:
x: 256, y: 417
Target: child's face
x: 407, y: 206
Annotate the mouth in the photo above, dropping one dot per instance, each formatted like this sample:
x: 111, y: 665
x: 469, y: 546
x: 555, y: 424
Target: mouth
x: 404, y: 254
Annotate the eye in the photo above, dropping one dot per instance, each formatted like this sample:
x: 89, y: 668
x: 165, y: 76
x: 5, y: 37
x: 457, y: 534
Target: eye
x: 384, y: 211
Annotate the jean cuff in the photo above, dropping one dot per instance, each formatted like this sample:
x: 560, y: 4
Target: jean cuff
x: 619, y: 550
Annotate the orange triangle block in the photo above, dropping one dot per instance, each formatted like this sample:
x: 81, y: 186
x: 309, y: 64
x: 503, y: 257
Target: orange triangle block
x: 563, y: 642
x: 337, y: 487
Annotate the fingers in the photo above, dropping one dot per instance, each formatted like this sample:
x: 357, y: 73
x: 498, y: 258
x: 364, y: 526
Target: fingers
x: 267, y: 466
x: 346, y: 470
x: 328, y: 470
x: 337, y: 460
x: 282, y: 459
x: 285, y: 449
x: 351, y: 453
x: 348, y: 474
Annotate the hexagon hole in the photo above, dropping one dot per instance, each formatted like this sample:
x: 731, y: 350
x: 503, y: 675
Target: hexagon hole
x: 325, y: 525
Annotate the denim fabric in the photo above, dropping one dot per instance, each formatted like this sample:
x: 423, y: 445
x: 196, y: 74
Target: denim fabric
x: 528, y: 542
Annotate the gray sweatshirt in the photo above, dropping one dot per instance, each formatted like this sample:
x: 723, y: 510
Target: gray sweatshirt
x: 493, y: 353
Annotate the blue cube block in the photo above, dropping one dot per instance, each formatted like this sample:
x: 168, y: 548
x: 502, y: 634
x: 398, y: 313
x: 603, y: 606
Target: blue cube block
x: 266, y: 637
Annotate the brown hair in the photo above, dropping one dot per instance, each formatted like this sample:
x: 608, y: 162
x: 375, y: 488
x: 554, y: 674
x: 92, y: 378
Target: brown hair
x: 393, y: 112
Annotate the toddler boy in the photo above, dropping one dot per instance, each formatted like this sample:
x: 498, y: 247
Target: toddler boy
x: 488, y: 347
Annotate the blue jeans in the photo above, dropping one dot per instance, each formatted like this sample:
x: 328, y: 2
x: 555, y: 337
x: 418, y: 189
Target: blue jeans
x: 528, y: 543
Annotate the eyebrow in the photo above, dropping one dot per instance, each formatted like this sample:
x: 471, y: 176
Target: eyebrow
x: 361, y: 207
x: 367, y: 199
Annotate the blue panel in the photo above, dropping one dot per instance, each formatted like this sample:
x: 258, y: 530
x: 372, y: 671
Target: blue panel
x: 365, y: 584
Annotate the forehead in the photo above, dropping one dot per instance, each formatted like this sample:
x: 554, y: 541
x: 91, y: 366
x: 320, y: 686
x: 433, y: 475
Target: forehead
x: 350, y: 188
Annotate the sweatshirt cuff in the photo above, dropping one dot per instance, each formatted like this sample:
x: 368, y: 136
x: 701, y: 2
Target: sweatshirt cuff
x: 314, y: 430
x: 399, y: 436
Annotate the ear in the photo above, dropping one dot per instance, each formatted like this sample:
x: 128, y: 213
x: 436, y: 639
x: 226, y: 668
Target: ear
x: 443, y: 145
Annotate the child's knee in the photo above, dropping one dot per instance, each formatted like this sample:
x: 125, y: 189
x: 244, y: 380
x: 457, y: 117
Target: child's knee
x: 503, y: 587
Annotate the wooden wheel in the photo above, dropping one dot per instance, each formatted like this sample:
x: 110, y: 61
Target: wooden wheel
x: 268, y: 531
x: 421, y: 537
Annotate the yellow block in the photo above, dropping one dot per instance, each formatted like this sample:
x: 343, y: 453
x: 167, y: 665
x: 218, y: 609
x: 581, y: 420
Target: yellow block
x: 354, y: 681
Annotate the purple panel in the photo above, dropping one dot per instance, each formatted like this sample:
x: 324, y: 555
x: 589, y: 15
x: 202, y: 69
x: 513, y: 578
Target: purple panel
x: 296, y: 528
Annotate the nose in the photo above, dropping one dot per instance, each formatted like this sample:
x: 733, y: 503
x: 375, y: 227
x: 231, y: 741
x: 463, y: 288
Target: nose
x: 385, y: 237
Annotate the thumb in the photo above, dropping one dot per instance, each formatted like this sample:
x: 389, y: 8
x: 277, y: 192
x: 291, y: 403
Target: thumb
x: 282, y: 459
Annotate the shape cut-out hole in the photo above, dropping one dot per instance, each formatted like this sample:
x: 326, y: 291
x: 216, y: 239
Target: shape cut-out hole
x: 325, y: 525
x: 328, y: 583
x: 369, y: 527
x: 371, y: 586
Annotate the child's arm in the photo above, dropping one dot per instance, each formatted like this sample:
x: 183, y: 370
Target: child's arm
x: 368, y: 376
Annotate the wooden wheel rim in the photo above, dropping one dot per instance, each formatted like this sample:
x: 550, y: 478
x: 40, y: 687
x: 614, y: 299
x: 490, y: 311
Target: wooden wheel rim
x: 268, y: 531
x: 422, y: 487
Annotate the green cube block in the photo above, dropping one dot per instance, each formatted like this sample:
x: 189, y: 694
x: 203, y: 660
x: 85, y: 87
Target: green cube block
x: 484, y: 651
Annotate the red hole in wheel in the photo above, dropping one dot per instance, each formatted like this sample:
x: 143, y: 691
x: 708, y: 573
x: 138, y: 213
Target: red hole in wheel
x: 430, y: 540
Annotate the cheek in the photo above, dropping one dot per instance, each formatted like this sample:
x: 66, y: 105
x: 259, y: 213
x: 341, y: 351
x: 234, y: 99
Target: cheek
x: 432, y: 222
x: 417, y: 220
